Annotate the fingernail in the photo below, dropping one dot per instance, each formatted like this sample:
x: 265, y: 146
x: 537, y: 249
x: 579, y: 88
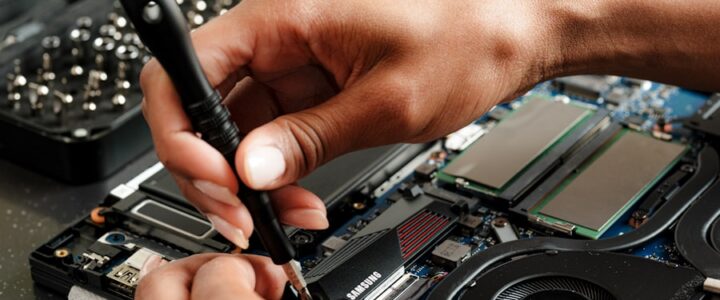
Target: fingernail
x: 264, y: 165
x: 151, y: 263
x: 230, y: 232
x: 217, y: 192
x: 306, y: 218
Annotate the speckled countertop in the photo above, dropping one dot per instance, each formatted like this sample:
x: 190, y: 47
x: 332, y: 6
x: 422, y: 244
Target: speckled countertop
x: 34, y: 208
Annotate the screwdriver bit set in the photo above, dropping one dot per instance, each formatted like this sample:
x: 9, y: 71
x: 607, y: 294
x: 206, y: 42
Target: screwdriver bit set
x: 71, y: 103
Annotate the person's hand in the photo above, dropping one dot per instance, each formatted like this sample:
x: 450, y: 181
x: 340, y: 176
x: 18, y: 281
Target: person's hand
x: 311, y: 80
x: 211, y: 276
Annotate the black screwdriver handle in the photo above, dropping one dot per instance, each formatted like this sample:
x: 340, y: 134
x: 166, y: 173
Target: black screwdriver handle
x: 163, y: 29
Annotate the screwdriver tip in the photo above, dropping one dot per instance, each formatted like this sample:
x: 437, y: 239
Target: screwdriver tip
x: 294, y: 273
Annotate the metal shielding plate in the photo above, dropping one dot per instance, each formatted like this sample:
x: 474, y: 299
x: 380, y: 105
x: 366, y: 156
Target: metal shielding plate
x: 515, y: 142
x: 619, y: 175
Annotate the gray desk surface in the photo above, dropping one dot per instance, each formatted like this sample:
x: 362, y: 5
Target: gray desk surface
x: 34, y: 208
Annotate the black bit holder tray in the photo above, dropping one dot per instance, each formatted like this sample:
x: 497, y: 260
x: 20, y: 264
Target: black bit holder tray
x: 68, y: 142
x: 72, y: 146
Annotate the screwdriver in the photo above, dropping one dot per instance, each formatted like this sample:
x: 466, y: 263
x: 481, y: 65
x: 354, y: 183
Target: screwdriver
x: 163, y: 29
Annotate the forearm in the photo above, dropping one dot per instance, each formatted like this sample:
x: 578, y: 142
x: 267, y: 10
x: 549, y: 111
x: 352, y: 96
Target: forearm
x: 663, y: 40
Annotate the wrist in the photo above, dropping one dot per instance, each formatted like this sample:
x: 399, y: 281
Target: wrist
x: 654, y: 40
x: 576, y: 39
x: 536, y: 41
x: 521, y: 39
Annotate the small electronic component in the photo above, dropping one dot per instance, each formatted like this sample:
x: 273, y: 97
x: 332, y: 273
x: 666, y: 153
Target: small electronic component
x: 450, y: 253
x: 303, y: 242
x: 333, y: 244
x: 470, y: 224
x: 461, y: 139
x: 504, y: 152
x: 583, y: 86
x: 618, y: 96
x: 592, y: 199
x: 410, y: 191
x: 635, y: 122
x: 498, y: 113
x: 94, y: 261
x: 98, y: 255
x: 660, y: 194
x: 124, y: 277
x: 641, y: 84
x: 503, y: 230
x: 104, y: 250
x: 128, y: 273
x: 425, y: 171
x: 402, y: 288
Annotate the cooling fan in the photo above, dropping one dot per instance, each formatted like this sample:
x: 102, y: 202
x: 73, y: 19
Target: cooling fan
x: 580, y: 275
x: 555, y: 288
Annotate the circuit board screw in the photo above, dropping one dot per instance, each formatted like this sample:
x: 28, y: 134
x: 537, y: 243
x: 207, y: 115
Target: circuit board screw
x: 500, y: 222
x: 358, y: 205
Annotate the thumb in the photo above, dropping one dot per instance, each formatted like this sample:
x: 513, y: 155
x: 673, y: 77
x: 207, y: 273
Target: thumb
x: 370, y: 113
x: 238, y: 277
